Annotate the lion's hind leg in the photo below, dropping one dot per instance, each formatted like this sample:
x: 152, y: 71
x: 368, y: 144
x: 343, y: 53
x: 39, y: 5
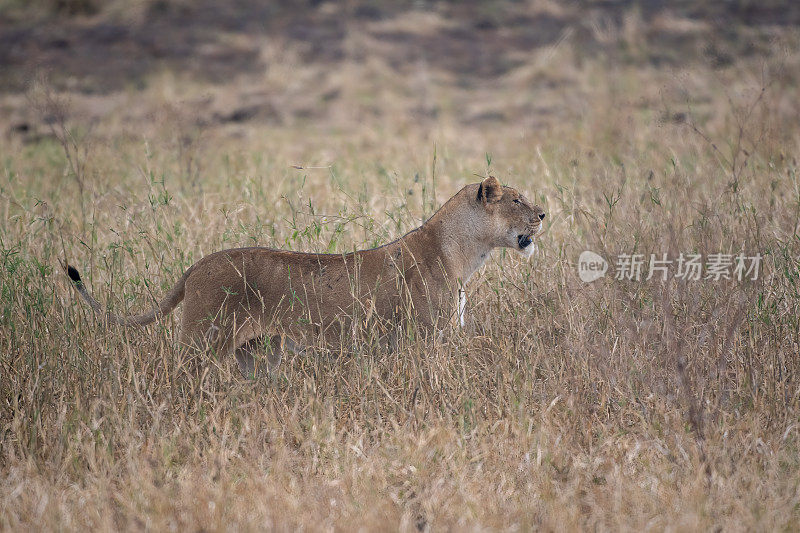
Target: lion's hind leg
x: 259, y: 355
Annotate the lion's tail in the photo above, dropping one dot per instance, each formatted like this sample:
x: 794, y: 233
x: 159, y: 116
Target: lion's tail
x: 165, y: 306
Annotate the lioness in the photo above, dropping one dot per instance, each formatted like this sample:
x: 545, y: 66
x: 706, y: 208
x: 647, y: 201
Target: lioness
x: 245, y: 298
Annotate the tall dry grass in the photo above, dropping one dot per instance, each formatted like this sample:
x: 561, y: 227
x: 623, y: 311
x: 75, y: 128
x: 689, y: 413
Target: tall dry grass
x: 562, y: 405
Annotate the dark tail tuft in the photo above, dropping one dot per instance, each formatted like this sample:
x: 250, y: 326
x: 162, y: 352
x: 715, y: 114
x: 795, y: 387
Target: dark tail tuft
x: 72, y: 272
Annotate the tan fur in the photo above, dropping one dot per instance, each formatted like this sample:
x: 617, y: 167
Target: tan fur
x: 241, y: 299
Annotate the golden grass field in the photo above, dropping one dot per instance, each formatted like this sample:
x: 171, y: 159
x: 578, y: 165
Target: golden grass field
x: 615, y: 405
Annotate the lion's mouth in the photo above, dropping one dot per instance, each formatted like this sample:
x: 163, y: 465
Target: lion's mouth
x: 524, y: 241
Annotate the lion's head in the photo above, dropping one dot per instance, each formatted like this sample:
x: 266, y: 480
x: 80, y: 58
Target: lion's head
x: 509, y: 218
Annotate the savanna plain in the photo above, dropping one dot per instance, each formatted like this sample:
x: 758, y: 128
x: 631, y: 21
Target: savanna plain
x: 136, y: 138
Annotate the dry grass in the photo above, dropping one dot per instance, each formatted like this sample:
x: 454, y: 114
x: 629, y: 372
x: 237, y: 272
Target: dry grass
x: 614, y: 405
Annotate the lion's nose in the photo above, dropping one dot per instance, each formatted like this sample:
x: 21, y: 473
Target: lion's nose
x: 541, y: 216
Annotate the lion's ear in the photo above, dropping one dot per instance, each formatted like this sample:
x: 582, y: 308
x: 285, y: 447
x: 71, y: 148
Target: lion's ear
x: 490, y: 190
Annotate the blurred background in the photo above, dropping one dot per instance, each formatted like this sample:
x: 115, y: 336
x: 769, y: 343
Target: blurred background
x: 443, y: 70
